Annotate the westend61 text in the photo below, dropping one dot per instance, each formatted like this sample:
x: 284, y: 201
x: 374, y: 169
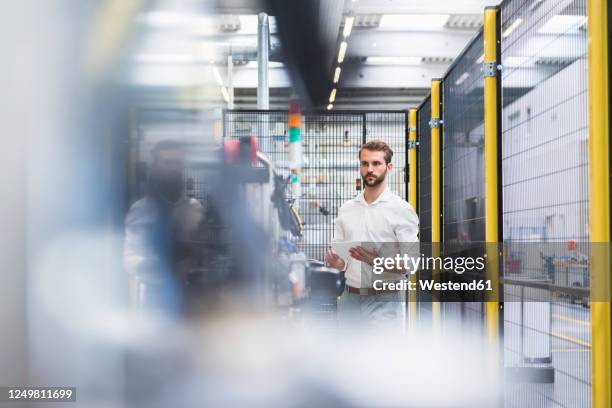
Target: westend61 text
x: 475, y: 285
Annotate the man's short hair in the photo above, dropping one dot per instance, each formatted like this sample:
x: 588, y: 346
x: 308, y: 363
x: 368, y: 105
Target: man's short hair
x: 378, y: 146
x: 163, y: 146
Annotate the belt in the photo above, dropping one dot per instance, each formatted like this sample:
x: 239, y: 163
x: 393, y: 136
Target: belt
x: 367, y: 291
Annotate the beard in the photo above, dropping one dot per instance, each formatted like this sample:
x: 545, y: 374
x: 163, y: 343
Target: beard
x: 373, y: 182
x: 169, y: 186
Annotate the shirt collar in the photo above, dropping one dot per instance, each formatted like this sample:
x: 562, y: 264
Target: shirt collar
x: 384, y: 197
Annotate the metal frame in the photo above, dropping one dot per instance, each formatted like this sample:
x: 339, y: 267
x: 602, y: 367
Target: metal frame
x: 600, y: 188
x: 322, y: 112
x: 599, y: 201
x: 423, y: 190
x: 413, y: 195
x: 436, y: 188
x: 492, y: 141
x: 388, y: 125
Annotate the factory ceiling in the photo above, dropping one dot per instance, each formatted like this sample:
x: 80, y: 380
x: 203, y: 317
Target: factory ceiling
x: 393, y: 47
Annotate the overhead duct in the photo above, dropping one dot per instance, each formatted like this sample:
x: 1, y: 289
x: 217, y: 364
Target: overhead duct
x: 308, y: 32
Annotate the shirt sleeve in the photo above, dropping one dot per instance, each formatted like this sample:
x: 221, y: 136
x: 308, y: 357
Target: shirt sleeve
x: 407, y: 233
x: 339, y: 234
x: 407, y: 224
x: 143, y: 253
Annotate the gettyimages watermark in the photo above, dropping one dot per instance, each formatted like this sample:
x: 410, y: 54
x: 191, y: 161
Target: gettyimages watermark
x: 520, y: 271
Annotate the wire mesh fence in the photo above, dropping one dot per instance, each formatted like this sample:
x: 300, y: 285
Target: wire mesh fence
x: 545, y: 196
x: 330, y: 170
x: 544, y: 127
x: 390, y: 127
x: 463, y: 197
x: 463, y: 147
x: 424, y: 160
x: 330, y: 173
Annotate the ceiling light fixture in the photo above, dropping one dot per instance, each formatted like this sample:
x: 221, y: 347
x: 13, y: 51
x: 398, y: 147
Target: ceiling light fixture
x: 271, y: 64
x: 413, y: 21
x: 249, y: 23
x: 348, y: 26
x: 515, y: 62
x: 225, y: 94
x: 342, y: 51
x: 165, y: 58
x: 394, y: 60
x: 330, y: 106
x: 164, y: 19
x: 217, y: 76
x: 563, y: 24
x: 332, y: 96
x: 462, y: 78
x: 337, y: 75
x: 512, y: 27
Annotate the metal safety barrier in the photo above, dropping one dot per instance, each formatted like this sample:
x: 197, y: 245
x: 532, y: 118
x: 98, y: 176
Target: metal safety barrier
x: 330, y: 170
x: 545, y: 194
x: 526, y: 163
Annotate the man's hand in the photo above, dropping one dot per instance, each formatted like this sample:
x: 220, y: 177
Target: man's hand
x: 334, y: 260
x: 360, y: 254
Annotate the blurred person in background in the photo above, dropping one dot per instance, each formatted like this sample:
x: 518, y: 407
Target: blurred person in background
x: 155, y: 228
x: 376, y: 215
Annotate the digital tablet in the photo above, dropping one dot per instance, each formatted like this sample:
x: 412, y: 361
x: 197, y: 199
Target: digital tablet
x: 342, y: 248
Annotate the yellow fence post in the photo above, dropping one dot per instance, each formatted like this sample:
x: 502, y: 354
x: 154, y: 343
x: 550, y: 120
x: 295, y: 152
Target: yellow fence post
x: 413, y: 196
x: 412, y: 157
x: 492, y: 138
x: 599, y: 203
x: 436, y: 189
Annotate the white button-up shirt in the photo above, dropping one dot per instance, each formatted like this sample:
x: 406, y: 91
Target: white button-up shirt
x: 389, y: 219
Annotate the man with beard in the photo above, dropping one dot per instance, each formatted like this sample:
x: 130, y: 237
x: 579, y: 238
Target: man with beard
x: 155, y: 226
x: 377, y: 219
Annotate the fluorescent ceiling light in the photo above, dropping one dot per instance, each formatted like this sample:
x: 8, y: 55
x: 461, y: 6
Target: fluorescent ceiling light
x: 332, y: 96
x: 565, y: 24
x: 342, y: 51
x: 162, y: 19
x: 203, y: 26
x: 411, y: 22
x: 480, y: 59
x: 515, y: 61
x: 173, y: 76
x: 225, y: 94
x: 165, y: 59
x: 330, y: 106
x: 198, y: 24
x: 348, y: 26
x: 394, y: 60
x: 337, y: 75
x: 462, y: 78
x: 248, y: 24
x: 271, y: 64
x: 217, y: 76
x: 512, y: 27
